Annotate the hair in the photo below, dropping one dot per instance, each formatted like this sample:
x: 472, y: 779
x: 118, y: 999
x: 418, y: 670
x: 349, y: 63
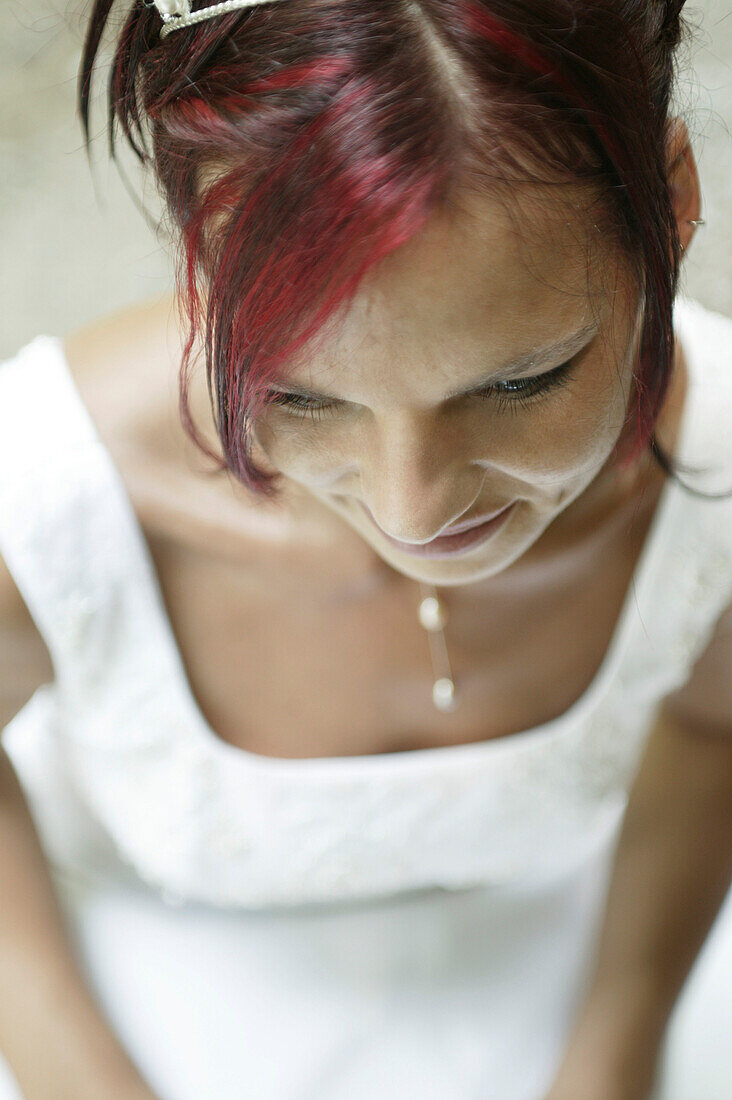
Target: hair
x: 348, y: 124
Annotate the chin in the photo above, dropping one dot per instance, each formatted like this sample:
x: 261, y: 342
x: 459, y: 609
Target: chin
x: 447, y: 575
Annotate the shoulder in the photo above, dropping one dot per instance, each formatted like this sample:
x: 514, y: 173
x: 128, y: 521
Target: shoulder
x: 116, y: 365
x: 126, y: 367
x: 704, y: 702
x: 118, y: 369
x: 706, y: 328
x: 706, y: 338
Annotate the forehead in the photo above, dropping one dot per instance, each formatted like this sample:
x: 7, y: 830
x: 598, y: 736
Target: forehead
x: 486, y: 279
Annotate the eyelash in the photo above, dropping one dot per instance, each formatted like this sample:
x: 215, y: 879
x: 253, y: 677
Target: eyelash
x: 528, y: 389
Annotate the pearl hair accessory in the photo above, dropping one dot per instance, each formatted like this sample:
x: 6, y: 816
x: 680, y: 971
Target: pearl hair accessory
x: 177, y: 13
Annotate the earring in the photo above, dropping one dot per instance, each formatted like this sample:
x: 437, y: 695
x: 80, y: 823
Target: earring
x: 693, y: 221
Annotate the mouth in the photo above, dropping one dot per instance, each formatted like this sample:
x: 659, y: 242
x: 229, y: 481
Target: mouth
x: 467, y: 537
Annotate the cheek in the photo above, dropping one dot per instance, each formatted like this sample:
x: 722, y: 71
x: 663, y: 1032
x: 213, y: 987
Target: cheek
x: 296, y: 450
x: 568, y: 438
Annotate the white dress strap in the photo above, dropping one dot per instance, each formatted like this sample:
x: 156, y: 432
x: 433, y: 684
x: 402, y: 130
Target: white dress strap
x: 72, y: 542
x: 692, y: 583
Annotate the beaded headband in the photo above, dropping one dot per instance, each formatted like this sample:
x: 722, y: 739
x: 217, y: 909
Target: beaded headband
x: 177, y: 13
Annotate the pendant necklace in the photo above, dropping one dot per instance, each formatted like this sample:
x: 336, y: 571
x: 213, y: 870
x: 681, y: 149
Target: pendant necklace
x: 433, y: 617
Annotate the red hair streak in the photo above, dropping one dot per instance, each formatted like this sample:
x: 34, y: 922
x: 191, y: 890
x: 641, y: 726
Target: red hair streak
x: 337, y: 131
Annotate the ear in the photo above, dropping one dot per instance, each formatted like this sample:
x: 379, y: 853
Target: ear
x: 683, y: 179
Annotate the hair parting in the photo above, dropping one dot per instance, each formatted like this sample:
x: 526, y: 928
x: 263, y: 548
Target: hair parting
x: 297, y: 144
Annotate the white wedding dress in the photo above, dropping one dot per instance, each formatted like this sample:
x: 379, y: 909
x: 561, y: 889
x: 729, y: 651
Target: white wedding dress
x: 405, y: 925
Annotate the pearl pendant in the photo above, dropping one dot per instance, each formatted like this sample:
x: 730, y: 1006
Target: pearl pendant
x: 432, y: 613
x: 443, y: 694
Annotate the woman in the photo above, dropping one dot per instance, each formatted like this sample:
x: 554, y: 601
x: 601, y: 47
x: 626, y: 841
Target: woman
x: 336, y: 800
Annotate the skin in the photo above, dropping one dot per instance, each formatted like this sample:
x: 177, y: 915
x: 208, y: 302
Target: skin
x: 439, y: 315
x: 474, y: 291
x: 446, y: 312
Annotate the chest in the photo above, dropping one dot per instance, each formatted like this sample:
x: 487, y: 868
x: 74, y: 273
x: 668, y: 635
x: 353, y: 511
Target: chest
x: 288, y: 661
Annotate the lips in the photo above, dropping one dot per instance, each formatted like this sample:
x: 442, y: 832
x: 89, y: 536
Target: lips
x: 459, y: 527
x: 472, y: 534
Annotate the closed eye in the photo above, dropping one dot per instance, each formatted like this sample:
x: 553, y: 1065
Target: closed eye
x: 520, y: 391
x: 509, y: 394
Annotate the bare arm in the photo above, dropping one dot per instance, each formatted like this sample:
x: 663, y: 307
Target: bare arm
x: 52, y: 1034
x: 51, y: 1031
x: 672, y: 870
x: 671, y: 873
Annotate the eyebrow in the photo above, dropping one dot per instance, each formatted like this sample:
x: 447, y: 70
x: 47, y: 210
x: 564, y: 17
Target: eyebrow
x: 564, y: 349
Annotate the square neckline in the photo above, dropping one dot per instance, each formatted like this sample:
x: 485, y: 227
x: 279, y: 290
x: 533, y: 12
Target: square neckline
x: 205, y: 737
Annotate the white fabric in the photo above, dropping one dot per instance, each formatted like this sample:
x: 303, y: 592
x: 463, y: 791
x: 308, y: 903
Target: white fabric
x: 417, y: 923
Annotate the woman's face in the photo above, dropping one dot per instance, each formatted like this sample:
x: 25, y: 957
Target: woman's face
x: 396, y: 446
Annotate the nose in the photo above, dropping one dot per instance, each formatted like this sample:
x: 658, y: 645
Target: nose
x: 419, y: 491
x: 408, y: 541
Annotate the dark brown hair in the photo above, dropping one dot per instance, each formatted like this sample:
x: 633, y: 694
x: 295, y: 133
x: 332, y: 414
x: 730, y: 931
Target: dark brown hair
x: 339, y: 127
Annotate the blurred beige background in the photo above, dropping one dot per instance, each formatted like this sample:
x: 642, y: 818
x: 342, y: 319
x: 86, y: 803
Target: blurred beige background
x: 74, y: 246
